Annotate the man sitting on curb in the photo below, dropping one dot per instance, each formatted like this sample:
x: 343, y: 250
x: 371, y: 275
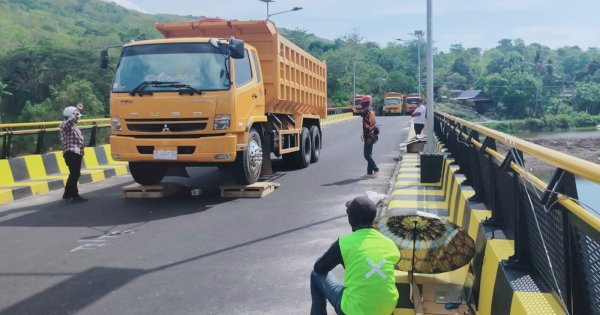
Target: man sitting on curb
x: 368, y: 258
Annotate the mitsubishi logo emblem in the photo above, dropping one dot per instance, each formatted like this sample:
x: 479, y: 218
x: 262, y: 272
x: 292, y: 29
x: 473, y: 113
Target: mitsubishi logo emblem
x: 166, y: 128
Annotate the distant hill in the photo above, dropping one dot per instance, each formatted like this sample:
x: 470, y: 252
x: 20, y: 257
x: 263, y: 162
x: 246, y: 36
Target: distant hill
x: 73, y: 23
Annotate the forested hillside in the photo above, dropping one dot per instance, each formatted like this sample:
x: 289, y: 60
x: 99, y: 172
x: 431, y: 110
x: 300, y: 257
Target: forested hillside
x: 49, y: 59
x: 49, y: 53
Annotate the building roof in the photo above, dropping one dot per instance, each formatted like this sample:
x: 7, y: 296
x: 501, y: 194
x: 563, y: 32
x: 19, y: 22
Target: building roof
x: 472, y: 95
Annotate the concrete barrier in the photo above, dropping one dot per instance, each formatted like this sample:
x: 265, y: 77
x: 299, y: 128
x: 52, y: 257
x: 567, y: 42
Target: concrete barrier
x: 30, y: 175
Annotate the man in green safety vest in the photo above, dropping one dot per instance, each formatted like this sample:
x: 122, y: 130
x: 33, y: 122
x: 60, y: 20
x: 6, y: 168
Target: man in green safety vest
x: 368, y: 258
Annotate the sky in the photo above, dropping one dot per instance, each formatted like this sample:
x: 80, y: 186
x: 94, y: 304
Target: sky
x: 472, y: 23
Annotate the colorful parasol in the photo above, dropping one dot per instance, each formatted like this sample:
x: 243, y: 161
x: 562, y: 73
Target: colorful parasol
x: 427, y: 243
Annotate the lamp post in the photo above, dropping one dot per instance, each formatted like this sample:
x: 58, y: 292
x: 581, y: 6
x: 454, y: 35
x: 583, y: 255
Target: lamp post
x: 293, y: 9
x: 419, y: 36
x: 267, y: 2
x: 269, y: 15
x: 429, y: 147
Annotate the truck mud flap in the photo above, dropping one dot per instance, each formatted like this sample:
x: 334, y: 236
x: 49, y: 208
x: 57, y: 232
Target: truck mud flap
x: 267, y: 166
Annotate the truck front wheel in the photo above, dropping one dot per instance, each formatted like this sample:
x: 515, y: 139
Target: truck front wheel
x: 250, y: 160
x: 147, y: 173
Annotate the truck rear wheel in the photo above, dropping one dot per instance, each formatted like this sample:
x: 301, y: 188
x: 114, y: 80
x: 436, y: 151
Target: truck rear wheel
x: 147, y: 173
x: 250, y: 161
x: 301, y: 158
x: 315, y: 141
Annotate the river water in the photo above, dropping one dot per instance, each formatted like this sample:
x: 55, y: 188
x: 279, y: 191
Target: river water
x: 588, y: 191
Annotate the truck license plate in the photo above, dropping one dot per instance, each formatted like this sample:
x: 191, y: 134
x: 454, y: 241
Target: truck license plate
x: 165, y: 155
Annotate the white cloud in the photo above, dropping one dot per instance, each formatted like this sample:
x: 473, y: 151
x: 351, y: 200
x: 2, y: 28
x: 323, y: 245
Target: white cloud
x: 128, y: 5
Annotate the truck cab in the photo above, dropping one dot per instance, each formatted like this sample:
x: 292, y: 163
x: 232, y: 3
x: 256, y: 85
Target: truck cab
x: 201, y: 97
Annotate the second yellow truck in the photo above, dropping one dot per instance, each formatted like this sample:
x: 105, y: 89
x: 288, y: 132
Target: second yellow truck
x: 216, y: 93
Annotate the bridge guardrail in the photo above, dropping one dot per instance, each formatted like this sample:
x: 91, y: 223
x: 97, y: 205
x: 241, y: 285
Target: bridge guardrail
x: 552, y: 232
x: 44, y: 136
x: 44, y: 130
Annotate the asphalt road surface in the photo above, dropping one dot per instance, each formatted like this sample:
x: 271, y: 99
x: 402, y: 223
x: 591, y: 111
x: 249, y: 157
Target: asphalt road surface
x: 188, y: 255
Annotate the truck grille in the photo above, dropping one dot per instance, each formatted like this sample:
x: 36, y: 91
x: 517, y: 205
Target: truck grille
x: 166, y: 125
x: 180, y: 149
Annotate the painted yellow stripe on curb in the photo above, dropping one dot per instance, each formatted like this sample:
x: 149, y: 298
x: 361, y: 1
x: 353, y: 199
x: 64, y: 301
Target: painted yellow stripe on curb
x: 535, y: 303
x: 418, y: 192
x: 476, y: 217
x: 495, y: 251
x: 5, y: 196
x: 36, y: 169
x: 417, y: 204
x: 409, y: 176
x: 6, y: 177
x: 110, y: 158
x: 96, y: 175
x: 415, y: 183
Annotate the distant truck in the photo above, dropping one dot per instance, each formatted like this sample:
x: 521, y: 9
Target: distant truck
x: 393, y: 103
x: 216, y: 93
x: 357, y: 106
x: 412, y: 102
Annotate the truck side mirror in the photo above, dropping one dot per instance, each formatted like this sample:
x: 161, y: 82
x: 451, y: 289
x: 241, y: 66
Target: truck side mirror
x: 236, y: 47
x: 104, y: 59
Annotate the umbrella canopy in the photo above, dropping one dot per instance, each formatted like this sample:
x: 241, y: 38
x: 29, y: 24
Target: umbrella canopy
x: 427, y: 243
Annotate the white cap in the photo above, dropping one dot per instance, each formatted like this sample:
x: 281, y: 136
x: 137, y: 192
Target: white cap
x: 69, y: 111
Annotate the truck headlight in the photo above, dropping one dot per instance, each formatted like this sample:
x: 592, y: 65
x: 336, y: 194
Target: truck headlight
x: 115, y: 124
x: 222, y: 122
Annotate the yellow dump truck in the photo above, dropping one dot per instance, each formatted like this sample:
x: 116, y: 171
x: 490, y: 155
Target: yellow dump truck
x: 393, y: 103
x: 216, y: 93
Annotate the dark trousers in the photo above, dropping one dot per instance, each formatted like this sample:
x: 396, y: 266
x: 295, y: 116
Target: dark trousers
x: 419, y: 128
x: 73, y: 161
x: 325, y: 288
x: 368, y: 152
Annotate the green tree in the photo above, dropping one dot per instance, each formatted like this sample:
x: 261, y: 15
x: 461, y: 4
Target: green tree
x: 68, y: 93
x: 587, y: 97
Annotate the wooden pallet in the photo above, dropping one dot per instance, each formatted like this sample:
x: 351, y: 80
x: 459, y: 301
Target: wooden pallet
x: 150, y: 191
x: 256, y: 190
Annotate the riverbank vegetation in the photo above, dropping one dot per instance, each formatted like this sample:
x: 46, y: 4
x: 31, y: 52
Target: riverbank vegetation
x: 49, y: 59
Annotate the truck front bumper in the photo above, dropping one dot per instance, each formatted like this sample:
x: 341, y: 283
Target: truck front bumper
x: 221, y: 149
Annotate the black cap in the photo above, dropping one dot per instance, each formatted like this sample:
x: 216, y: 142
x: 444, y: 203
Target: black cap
x: 361, y: 211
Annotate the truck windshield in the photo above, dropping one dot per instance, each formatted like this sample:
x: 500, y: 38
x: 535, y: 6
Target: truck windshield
x: 412, y: 100
x: 199, y: 65
x: 391, y: 101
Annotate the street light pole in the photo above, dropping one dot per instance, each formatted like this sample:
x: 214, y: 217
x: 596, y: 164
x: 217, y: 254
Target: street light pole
x: 419, y: 35
x: 429, y: 147
x: 293, y: 9
x: 267, y: 2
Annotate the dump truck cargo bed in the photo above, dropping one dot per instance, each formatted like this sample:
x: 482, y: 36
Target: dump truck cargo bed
x: 295, y: 81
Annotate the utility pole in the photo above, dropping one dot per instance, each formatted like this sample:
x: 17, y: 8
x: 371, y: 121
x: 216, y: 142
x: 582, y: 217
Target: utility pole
x: 419, y: 35
x: 429, y: 147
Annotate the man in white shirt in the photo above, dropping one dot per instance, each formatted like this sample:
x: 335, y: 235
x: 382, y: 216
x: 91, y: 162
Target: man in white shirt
x: 419, y: 117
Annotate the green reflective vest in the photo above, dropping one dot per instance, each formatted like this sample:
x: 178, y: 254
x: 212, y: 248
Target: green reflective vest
x: 369, y: 259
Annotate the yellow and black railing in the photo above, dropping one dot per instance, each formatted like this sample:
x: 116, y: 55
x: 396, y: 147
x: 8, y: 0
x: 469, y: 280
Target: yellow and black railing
x: 556, y: 240
x: 25, y: 144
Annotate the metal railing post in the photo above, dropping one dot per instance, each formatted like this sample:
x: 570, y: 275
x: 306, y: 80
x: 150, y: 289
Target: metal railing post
x: 39, y: 147
x: 6, y: 144
x: 93, y: 135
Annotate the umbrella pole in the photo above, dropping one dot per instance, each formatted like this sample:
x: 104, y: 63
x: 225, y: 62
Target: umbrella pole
x: 416, y: 293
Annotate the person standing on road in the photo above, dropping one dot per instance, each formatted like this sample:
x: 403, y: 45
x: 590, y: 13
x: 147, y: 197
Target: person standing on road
x: 73, y: 149
x: 369, y: 135
x: 368, y: 258
x: 419, y: 117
